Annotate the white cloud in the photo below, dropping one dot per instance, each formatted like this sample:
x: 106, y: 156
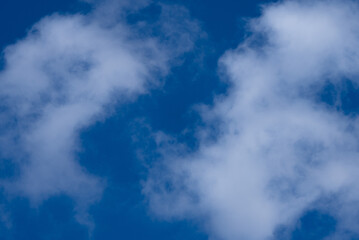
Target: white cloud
x: 279, y: 151
x: 65, y: 75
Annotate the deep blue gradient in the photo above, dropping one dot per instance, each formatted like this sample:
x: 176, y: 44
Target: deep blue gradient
x: 54, y: 219
x: 342, y: 97
x: 314, y: 225
x: 110, y: 149
x: 17, y: 16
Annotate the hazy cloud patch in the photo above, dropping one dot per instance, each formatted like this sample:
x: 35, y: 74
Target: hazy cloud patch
x: 67, y: 73
x: 279, y: 151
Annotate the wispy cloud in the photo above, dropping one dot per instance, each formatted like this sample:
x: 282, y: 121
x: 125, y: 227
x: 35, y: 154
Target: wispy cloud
x: 70, y: 71
x: 279, y: 150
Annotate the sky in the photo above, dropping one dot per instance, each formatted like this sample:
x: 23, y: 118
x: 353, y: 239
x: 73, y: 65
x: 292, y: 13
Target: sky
x: 169, y: 119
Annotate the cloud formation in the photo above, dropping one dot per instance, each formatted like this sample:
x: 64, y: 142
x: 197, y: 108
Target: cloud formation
x: 70, y: 71
x: 280, y: 149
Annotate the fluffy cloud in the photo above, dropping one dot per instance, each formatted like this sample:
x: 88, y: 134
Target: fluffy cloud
x: 67, y: 73
x: 279, y: 149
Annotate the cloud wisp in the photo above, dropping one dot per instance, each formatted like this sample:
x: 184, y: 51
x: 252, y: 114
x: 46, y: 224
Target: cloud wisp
x: 280, y: 150
x: 67, y: 73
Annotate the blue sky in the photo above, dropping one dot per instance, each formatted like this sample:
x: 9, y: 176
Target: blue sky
x: 218, y: 120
